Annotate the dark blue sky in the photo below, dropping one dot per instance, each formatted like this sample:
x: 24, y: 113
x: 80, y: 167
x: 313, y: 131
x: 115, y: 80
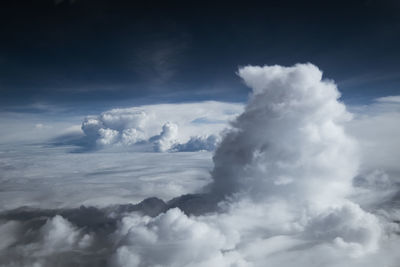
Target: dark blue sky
x: 95, y: 53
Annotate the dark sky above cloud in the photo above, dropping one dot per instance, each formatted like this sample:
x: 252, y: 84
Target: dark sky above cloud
x: 102, y: 52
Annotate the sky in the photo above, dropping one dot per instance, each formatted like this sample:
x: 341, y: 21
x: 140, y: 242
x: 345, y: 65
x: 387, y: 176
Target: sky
x: 87, y: 54
x: 175, y: 134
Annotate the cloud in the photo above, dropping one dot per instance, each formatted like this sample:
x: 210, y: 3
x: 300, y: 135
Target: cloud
x: 171, y: 239
x: 155, y: 127
x: 349, y: 227
x: 288, y: 186
x: 287, y: 165
x: 376, y: 129
x: 121, y: 236
x: 49, y: 244
x: 198, y: 143
x: 27, y: 128
x: 389, y: 99
x: 290, y: 140
x: 166, y: 139
x: 53, y: 177
x: 125, y: 125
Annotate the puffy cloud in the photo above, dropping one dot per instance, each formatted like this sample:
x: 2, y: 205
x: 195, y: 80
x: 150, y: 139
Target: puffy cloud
x: 156, y: 127
x: 248, y: 234
x: 44, y: 246
x: 290, y: 141
x: 198, y: 143
x: 347, y: 226
x: 107, y: 136
x: 131, y: 136
x: 115, y: 126
x: 166, y: 139
x: 171, y: 239
x: 58, y: 234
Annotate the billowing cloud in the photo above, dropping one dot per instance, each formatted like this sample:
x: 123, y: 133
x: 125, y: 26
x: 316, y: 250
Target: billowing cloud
x: 166, y: 139
x: 198, y: 143
x: 290, y: 141
x: 49, y: 244
x: 160, y: 127
x: 171, y: 239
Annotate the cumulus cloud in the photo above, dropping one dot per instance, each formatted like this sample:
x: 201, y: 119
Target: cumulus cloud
x: 166, y: 139
x: 290, y: 141
x: 171, y: 239
x: 49, y: 244
x: 161, y: 128
x: 114, y: 126
x: 198, y: 143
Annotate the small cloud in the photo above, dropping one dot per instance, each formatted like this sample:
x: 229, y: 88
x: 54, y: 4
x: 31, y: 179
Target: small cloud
x: 198, y: 143
x: 389, y: 99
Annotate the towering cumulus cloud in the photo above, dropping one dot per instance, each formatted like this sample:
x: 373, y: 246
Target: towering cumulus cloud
x: 290, y: 140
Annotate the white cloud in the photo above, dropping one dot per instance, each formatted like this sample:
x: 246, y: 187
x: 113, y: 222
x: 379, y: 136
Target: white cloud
x: 290, y: 141
x: 288, y: 165
x: 107, y: 136
x: 48, y: 177
x: 198, y: 143
x: 171, y: 239
x: 376, y: 129
x: 389, y: 99
x: 166, y: 139
x: 27, y: 128
x: 155, y: 127
x: 58, y: 234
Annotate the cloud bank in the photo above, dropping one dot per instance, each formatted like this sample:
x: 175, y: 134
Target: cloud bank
x: 288, y: 188
x: 160, y: 128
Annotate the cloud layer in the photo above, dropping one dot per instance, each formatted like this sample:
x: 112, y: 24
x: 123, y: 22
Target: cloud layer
x: 289, y: 187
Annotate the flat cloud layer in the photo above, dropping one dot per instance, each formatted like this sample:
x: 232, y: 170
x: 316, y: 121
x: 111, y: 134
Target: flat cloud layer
x: 293, y: 189
x: 48, y: 177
